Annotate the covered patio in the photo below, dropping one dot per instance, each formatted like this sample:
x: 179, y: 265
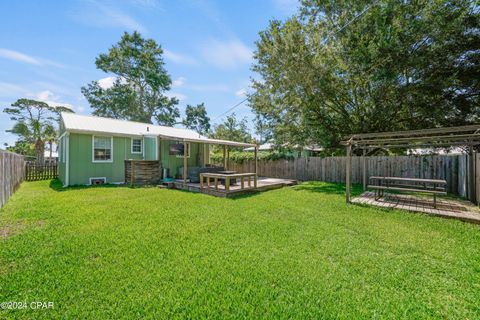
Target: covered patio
x: 214, y: 179
x: 411, y: 192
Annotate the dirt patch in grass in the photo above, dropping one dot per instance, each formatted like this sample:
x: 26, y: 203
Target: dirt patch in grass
x: 9, y: 229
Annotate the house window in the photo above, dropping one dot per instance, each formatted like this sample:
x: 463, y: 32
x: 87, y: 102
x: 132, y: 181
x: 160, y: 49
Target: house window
x: 102, y: 149
x: 136, y: 145
x: 188, y: 150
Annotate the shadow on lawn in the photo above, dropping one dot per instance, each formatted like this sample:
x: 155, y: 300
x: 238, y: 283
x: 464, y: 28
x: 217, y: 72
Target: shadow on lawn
x: 56, y: 185
x: 327, y: 187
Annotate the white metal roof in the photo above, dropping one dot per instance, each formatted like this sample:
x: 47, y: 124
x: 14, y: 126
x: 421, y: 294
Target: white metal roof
x: 263, y: 147
x: 91, y: 124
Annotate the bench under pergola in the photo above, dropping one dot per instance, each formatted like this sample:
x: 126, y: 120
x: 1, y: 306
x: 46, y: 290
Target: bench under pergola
x: 462, y: 136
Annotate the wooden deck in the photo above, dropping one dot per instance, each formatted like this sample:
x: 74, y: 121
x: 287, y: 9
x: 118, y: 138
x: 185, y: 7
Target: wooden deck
x: 447, y: 208
x: 263, y: 184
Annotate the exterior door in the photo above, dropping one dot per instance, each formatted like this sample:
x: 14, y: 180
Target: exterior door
x: 151, y: 152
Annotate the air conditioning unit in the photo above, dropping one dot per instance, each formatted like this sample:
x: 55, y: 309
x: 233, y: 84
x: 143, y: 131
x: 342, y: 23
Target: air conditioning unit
x: 96, y: 181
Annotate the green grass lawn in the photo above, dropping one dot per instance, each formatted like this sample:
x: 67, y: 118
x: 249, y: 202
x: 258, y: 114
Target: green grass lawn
x: 116, y: 252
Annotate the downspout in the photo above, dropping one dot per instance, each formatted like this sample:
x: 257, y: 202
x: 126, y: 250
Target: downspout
x: 67, y: 160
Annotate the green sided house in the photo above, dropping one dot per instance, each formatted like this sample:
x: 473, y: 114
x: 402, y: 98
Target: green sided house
x: 95, y: 150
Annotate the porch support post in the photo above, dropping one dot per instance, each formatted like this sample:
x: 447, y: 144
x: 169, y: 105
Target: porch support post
x: 225, y: 157
x: 159, y: 157
x: 348, y: 170
x: 228, y: 158
x: 185, y: 162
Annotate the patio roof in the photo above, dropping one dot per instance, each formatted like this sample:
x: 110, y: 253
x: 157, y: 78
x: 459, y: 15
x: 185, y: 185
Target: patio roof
x: 210, y: 141
x: 436, y: 137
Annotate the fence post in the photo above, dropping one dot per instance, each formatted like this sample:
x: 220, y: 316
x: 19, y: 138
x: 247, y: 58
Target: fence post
x: 364, y: 171
x: 348, y: 171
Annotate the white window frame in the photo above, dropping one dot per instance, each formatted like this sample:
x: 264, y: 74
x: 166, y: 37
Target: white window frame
x: 188, y: 150
x: 93, y: 150
x: 97, y: 178
x: 141, y: 146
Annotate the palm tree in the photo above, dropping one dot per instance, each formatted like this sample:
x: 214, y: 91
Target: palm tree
x: 35, y: 123
x: 50, y: 137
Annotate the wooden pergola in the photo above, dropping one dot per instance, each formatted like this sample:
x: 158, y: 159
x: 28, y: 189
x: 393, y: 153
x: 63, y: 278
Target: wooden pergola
x: 463, y: 136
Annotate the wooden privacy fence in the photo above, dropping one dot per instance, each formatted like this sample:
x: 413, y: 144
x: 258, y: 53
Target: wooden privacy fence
x: 35, y: 171
x: 12, y: 168
x: 453, y: 168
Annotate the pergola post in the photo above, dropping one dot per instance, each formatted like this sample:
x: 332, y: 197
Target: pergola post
x: 256, y: 159
x: 185, y: 162
x: 471, y: 174
x: 364, y: 169
x: 348, y: 171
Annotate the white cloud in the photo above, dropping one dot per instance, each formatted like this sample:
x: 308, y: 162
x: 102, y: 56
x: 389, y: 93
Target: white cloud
x: 179, y: 96
x: 52, y: 100
x: 106, y: 83
x: 45, y: 95
x: 178, y: 82
x: 241, y: 93
x: 227, y: 54
x: 104, y: 14
x: 18, y: 56
x: 286, y: 6
x: 145, y: 3
x: 22, y: 57
x: 178, y: 58
x: 10, y: 89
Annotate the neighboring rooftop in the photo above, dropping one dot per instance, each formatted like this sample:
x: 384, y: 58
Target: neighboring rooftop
x: 268, y: 146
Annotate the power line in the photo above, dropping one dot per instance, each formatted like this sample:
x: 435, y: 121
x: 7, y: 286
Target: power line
x: 230, y: 109
x: 328, y: 36
x: 355, y: 18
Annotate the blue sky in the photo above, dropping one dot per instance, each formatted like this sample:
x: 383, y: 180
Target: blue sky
x: 48, y: 48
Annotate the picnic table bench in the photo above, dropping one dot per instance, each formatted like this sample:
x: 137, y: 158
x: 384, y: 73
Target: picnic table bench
x: 431, y: 186
x: 227, y: 177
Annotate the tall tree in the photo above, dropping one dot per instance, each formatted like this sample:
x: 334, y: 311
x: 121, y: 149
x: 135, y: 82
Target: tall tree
x: 137, y: 94
x: 232, y: 129
x: 35, y: 123
x: 262, y: 128
x: 196, y: 118
x: 349, y: 66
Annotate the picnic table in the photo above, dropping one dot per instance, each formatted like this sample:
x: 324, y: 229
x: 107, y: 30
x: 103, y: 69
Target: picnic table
x: 431, y: 186
x: 233, y: 181
x: 227, y: 177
